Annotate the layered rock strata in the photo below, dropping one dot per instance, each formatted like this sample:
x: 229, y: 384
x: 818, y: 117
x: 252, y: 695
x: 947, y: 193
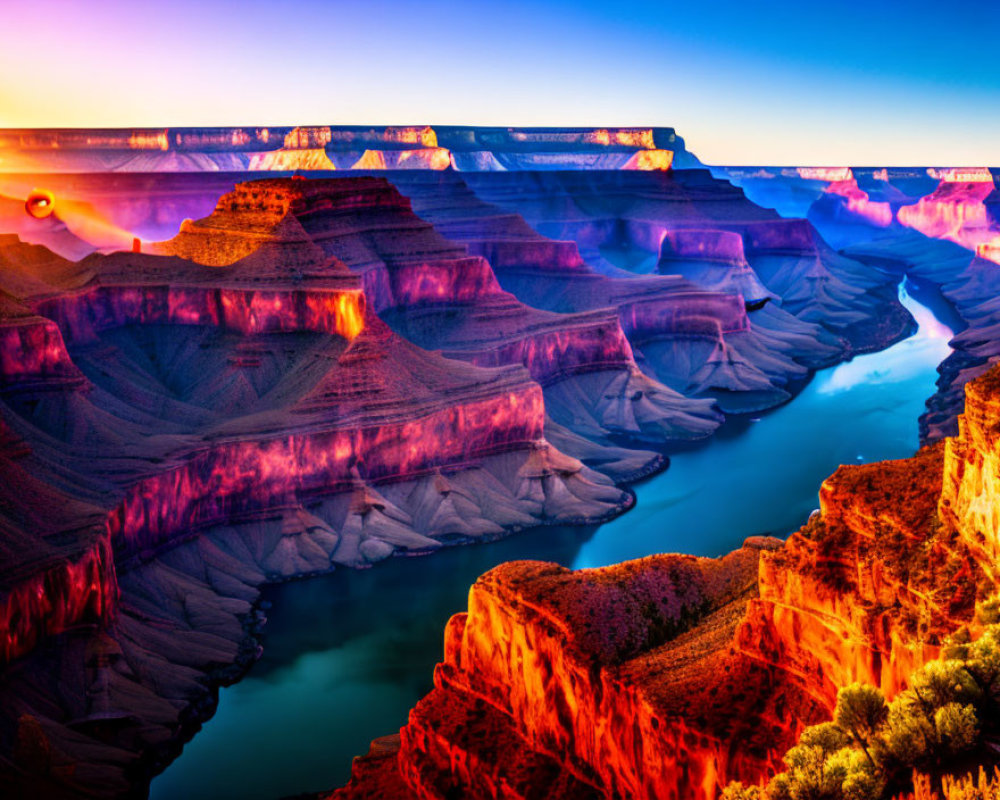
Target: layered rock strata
x: 430, y: 291
x: 620, y: 221
x: 714, y: 337
x: 939, y: 220
x: 935, y: 226
x: 322, y: 147
x: 671, y: 676
x: 261, y: 408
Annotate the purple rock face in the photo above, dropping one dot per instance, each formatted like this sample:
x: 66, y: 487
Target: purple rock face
x: 319, y: 373
x: 702, y: 245
x: 690, y: 326
x: 917, y: 223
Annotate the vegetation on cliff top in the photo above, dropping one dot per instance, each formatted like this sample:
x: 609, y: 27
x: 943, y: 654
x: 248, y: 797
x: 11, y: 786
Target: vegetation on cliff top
x: 929, y: 738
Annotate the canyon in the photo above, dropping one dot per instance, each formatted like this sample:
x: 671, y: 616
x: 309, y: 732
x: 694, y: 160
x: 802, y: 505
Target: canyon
x: 340, y: 148
x: 937, y: 225
x: 216, y: 375
x: 593, y: 683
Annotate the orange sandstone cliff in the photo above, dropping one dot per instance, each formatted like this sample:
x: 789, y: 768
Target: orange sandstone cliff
x: 670, y: 676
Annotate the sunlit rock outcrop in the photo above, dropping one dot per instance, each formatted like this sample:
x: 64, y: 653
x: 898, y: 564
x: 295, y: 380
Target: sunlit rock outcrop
x: 602, y: 672
x: 650, y: 160
x: 341, y: 147
x: 671, y: 676
x: 430, y: 291
x: 434, y: 158
x: 304, y: 149
x: 972, y: 484
x: 856, y: 201
x: 955, y: 210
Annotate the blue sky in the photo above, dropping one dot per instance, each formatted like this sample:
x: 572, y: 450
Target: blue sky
x: 750, y: 83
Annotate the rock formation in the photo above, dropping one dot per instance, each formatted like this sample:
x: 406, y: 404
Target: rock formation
x: 621, y: 220
x: 430, y: 291
x: 699, y: 332
x: 670, y: 676
x: 343, y: 147
x: 936, y: 227
x: 251, y: 401
x: 157, y: 409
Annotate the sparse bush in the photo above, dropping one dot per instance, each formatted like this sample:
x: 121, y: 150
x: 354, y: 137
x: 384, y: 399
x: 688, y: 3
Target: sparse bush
x: 861, y: 712
x: 941, y: 682
x: 982, y: 660
x: 957, y: 727
x: 950, y: 709
x: 737, y: 791
x: 908, y: 734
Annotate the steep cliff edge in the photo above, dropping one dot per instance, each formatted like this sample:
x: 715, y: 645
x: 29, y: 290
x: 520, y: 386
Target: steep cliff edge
x: 430, y: 291
x: 670, y: 676
x: 323, y: 147
x: 719, y: 338
x: 175, y: 435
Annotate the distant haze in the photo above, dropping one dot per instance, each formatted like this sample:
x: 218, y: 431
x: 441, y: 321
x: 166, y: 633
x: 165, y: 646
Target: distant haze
x: 781, y: 82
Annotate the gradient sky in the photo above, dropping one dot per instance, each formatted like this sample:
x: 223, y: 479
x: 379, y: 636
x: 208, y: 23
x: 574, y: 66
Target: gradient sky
x: 785, y: 82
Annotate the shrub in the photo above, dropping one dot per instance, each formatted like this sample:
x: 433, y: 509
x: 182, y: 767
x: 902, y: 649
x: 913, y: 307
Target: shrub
x: 949, y: 710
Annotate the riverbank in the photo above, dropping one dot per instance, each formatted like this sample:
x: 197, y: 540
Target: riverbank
x: 347, y: 655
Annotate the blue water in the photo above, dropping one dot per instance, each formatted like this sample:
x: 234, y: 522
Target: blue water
x: 346, y: 656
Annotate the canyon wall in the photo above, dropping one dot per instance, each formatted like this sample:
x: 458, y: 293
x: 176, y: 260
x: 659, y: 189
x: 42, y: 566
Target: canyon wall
x: 671, y: 676
x: 85, y: 314
x: 74, y: 591
x: 234, y: 410
x: 357, y: 406
x: 321, y: 147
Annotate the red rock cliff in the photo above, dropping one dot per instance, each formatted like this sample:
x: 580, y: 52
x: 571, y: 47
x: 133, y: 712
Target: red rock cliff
x: 670, y: 676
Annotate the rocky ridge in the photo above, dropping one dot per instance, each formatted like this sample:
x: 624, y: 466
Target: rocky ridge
x: 603, y: 672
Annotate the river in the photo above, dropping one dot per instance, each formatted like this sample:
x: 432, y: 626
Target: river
x: 347, y: 655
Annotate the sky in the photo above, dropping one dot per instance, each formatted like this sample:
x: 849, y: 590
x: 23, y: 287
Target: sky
x: 878, y: 82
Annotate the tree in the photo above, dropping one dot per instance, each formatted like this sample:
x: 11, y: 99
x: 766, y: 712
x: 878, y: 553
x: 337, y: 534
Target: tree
x: 957, y: 727
x: 941, y: 682
x: 873, y: 748
x: 807, y: 778
x: 824, y: 766
x: 861, y: 711
x: 855, y: 773
x: 737, y: 791
x: 909, y: 734
x: 982, y: 660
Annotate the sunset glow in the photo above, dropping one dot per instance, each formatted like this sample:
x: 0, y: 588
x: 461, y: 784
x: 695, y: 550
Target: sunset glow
x: 541, y: 399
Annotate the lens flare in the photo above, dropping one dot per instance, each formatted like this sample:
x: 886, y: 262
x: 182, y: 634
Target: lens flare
x: 40, y: 203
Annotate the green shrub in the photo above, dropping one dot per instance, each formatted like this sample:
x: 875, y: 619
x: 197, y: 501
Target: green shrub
x: 871, y: 745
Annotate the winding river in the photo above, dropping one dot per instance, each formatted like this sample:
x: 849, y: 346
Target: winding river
x: 347, y: 655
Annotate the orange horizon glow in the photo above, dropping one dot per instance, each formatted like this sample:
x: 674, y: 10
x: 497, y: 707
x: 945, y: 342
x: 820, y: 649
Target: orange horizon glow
x: 79, y: 216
